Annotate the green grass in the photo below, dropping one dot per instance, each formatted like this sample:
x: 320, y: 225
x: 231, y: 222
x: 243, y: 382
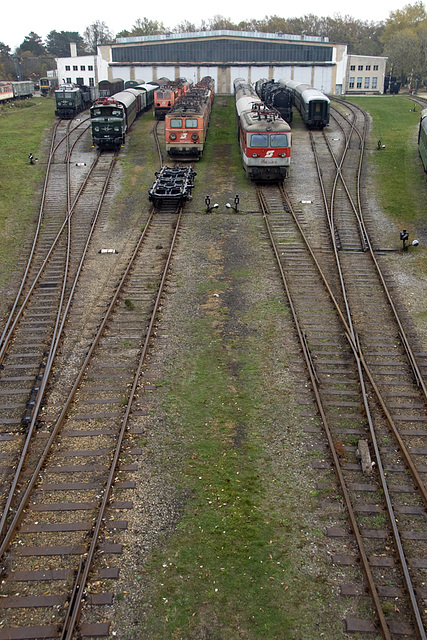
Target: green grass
x: 22, y: 131
x: 399, y: 173
x: 235, y: 563
x: 222, y: 150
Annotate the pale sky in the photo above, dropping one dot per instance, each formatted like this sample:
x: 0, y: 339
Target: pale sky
x: 66, y: 16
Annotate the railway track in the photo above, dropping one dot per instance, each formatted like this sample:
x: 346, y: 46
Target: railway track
x: 366, y: 377
x: 61, y: 542
x: 73, y: 455
x: 33, y: 330
x: 78, y: 438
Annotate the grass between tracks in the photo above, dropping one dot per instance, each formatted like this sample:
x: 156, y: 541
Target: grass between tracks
x: 237, y: 562
x: 399, y: 172
x: 23, y: 128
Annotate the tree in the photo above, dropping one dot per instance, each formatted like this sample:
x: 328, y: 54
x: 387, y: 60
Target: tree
x: 145, y: 27
x: 6, y: 62
x: 4, y: 49
x: 32, y: 44
x: 97, y: 33
x: 218, y: 23
x: 58, y: 43
x: 405, y: 41
x: 185, y: 27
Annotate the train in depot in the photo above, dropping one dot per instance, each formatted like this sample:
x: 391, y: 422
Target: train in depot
x: 112, y: 116
x: 312, y: 104
x: 422, y: 138
x: 16, y: 89
x: 110, y: 87
x: 186, y: 124
x: 48, y: 85
x: 71, y: 99
x: 276, y: 96
x: 168, y: 94
x: 265, y: 139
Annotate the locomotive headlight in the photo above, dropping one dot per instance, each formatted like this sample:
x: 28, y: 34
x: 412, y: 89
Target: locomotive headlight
x: 116, y: 128
x: 254, y: 155
x: 96, y: 128
x: 194, y: 137
x: 173, y: 136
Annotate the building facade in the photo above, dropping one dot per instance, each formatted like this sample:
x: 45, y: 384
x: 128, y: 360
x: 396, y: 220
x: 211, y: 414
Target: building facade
x: 365, y: 74
x: 225, y: 56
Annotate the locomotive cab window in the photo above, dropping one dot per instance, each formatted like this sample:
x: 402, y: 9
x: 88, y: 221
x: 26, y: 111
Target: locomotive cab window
x: 159, y: 95
x: 191, y: 123
x: 176, y: 123
x: 167, y: 95
x: 106, y: 111
x: 279, y: 140
x: 259, y: 140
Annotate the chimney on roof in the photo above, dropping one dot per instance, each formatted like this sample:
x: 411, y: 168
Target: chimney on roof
x: 73, y: 49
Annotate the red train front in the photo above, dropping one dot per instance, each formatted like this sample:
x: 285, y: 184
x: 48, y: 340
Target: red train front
x: 265, y: 138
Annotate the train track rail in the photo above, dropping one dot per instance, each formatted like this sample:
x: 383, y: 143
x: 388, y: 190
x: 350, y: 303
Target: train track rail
x: 67, y: 478
x: 33, y: 330
x: 367, y: 383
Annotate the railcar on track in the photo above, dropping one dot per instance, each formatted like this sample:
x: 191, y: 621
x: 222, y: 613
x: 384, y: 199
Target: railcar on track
x: 129, y: 84
x: 167, y: 95
x: 186, y: 124
x: 16, y: 89
x: 172, y: 185
x: 312, y: 104
x: 276, y: 96
x: 48, y: 85
x: 422, y: 138
x: 264, y: 137
x: 112, y: 116
x: 110, y: 87
x: 70, y: 99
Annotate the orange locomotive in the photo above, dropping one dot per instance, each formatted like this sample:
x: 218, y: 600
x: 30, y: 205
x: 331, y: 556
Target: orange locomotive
x: 187, y: 122
x: 168, y: 94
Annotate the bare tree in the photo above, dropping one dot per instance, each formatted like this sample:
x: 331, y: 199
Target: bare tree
x: 97, y: 33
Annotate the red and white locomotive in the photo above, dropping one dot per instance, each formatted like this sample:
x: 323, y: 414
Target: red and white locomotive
x: 265, y: 138
x: 187, y: 122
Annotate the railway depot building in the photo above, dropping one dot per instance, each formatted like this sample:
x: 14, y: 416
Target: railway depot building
x: 223, y: 55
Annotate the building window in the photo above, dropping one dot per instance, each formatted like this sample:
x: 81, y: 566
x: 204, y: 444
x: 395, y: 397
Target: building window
x: 359, y: 83
x: 368, y: 67
x: 366, y: 83
x: 80, y: 81
x: 68, y: 80
x: 360, y: 67
x: 375, y: 67
x: 352, y: 67
x: 75, y: 67
x: 91, y: 82
x: 82, y: 67
x: 351, y: 83
x: 374, y: 83
x: 90, y: 67
x: 67, y: 67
